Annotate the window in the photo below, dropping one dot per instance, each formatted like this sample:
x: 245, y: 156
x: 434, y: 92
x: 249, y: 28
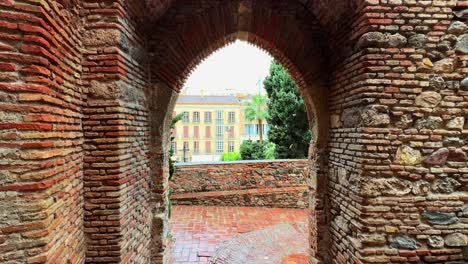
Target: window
x: 174, y: 147
x: 219, y: 116
x: 186, y: 134
x: 196, y: 147
x: 208, y: 132
x: 249, y: 130
x: 208, y: 146
x: 196, y: 132
x: 196, y: 117
x: 219, y: 146
x: 231, y: 132
x: 232, y: 117
x: 207, y: 117
x: 174, y: 132
x: 219, y: 131
x: 185, y: 118
x: 231, y: 146
x: 185, y: 150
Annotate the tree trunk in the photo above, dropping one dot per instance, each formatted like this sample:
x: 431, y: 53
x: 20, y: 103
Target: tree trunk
x: 260, y: 129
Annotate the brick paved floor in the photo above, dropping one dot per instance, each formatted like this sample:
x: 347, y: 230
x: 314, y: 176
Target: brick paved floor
x: 199, y: 231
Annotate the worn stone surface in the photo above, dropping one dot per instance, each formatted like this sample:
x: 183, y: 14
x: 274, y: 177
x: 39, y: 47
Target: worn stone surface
x: 440, y: 218
x: 428, y: 99
x: 374, y: 116
x: 396, y: 40
x: 417, y: 41
x: 445, y: 185
x: 373, y: 239
x: 372, y: 39
x: 437, y: 82
x: 406, y: 155
x: 456, y: 123
x: 430, y: 122
x: 438, y: 157
x: 456, y: 240
x: 435, y: 241
x: 458, y: 155
x: 391, y: 186
x: 446, y: 65
x: 403, y: 242
x: 462, y: 44
x: 464, y: 83
x: 457, y: 27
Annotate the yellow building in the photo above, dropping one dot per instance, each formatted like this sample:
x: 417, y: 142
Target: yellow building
x: 211, y: 125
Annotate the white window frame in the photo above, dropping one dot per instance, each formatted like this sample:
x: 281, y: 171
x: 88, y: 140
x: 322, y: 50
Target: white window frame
x: 218, y: 144
x: 186, y: 117
x: 231, y: 146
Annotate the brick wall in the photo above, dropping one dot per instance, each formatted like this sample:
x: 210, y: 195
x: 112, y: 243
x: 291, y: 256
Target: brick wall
x: 244, y: 183
x: 41, y: 137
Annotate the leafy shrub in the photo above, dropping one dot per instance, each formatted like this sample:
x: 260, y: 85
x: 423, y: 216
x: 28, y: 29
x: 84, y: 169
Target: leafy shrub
x: 270, y: 149
x: 252, y: 150
x: 230, y: 156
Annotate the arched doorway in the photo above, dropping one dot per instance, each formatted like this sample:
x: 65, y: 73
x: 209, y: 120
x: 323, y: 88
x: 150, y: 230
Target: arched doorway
x: 179, y: 41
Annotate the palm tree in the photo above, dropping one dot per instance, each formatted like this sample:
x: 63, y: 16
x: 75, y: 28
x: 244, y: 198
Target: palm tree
x: 256, y: 109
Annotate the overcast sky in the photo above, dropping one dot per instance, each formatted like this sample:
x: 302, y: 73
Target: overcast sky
x: 239, y: 67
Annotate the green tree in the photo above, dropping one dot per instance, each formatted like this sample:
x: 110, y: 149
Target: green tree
x: 172, y: 168
x: 256, y: 109
x: 252, y: 150
x: 174, y: 121
x: 287, y: 120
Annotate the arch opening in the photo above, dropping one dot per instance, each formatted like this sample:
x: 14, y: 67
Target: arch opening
x: 175, y: 56
x: 315, y: 164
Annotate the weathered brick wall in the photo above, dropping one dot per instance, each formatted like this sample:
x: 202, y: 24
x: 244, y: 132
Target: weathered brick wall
x: 243, y: 183
x: 41, y: 138
x: 119, y: 203
x: 397, y: 163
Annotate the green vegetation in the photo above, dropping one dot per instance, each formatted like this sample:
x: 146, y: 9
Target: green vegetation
x: 287, y: 115
x: 269, y: 150
x: 252, y: 150
x: 231, y: 156
x: 174, y: 121
x: 256, y: 110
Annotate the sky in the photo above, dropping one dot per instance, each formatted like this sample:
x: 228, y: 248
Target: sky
x: 236, y: 68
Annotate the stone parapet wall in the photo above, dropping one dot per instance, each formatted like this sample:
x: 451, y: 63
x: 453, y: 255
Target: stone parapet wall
x: 280, y: 183
x: 289, y: 197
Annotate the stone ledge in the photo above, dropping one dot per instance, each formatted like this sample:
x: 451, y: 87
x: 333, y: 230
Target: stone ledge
x: 238, y: 192
x: 287, y: 197
x: 180, y: 164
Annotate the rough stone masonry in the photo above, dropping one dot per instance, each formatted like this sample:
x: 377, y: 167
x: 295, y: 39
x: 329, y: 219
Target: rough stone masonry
x: 265, y: 183
x: 87, y: 88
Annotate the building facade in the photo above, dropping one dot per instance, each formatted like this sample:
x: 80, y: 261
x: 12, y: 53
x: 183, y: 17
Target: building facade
x: 210, y: 126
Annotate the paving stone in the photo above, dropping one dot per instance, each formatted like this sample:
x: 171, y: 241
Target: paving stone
x: 204, y: 231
